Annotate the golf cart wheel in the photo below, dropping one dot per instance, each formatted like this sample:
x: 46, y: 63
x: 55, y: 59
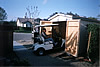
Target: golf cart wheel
x: 40, y: 52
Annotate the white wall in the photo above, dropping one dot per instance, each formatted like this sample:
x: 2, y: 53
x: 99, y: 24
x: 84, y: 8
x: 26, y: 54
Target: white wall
x: 18, y: 23
x: 24, y: 25
x: 61, y: 18
x: 27, y: 24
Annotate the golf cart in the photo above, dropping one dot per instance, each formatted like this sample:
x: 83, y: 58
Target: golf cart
x: 40, y: 46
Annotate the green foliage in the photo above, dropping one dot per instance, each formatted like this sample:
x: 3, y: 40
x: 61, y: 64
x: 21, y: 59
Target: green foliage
x: 10, y: 23
x: 93, y: 18
x: 3, y: 14
x: 98, y: 15
x: 23, y: 30
x: 94, y: 42
x: 13, y: 23
x: 74, y: 15
x: 53, y: 14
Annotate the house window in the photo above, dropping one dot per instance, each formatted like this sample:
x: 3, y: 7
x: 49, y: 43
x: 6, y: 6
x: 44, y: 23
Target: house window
x: 28, y: 24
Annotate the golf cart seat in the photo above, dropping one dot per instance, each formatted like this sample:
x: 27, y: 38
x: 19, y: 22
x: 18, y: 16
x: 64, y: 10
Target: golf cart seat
x: 46, y: 42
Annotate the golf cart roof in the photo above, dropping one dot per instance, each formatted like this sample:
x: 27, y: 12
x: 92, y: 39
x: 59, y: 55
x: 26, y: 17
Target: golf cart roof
x: 46, y: 25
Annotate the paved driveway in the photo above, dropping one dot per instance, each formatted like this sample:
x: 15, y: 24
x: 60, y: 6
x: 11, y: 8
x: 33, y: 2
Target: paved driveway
x: 35, y: 60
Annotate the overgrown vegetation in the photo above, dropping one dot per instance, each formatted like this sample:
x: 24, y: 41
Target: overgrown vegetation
x: 94, y: 42
x: 23, y: 30
x: 9, y: 23
x: 3, y: 14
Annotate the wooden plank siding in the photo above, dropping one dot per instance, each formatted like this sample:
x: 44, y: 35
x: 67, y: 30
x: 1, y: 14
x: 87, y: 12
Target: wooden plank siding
x: 72, y: 37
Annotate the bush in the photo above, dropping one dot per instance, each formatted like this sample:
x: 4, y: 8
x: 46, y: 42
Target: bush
x: 93, y: 51
x: 23, y: 30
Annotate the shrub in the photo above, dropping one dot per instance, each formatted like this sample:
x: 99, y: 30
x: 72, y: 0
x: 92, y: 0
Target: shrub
x: 93, y: 51
x: 25, y: 28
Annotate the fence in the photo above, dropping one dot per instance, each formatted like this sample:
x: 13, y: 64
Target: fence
x: 6, y: 41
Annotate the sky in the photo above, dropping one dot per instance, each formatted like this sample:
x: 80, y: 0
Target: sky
x: 17, y: 8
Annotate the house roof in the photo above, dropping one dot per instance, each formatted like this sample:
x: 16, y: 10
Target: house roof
x: 23, y: 20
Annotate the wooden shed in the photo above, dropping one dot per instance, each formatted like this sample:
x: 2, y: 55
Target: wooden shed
x: 75, y: 35
x: 76, y: 38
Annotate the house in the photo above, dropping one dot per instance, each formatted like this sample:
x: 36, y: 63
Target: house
x: 27, y: 22
x: 60, y: 17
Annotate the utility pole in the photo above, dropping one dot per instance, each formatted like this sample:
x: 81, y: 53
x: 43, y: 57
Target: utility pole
x: 33, y: 14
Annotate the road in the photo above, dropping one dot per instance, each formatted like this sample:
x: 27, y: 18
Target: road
x: 22, y: 36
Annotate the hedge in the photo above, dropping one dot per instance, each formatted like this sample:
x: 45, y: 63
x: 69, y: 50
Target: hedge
x: 23, y: 30
x: 93, y: 51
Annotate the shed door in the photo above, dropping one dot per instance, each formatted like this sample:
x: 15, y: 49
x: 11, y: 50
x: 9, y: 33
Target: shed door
x: 72, y: 37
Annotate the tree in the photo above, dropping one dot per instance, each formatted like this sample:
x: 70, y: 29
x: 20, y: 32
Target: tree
x: 70, y: 13
x: 74, y: 15
x: 3, y: 14
x: 98, y: 15
x: 53, y: 14
x: 33, y: 13
x: 93, y: 18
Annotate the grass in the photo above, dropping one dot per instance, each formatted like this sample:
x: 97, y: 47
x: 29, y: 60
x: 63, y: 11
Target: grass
x: 22, y: 31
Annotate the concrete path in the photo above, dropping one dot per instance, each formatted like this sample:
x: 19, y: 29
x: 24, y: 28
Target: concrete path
x: 18, y: 47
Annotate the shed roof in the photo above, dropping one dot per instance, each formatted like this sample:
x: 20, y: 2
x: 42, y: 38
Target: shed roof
x: 56, y: 15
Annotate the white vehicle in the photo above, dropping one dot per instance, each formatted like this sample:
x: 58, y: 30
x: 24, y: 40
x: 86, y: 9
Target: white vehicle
x: 40, y: 46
